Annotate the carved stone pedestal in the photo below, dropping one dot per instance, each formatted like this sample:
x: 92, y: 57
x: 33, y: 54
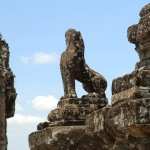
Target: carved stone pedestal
x: 67, y: 113
x: 73, y: 111
x: 66, y: 127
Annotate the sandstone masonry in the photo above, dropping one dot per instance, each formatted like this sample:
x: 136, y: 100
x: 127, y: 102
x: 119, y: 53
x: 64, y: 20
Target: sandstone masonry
x: 89, y: 123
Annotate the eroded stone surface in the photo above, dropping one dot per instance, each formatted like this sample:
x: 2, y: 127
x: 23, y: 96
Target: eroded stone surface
x: 127, y: 124
x: 136, y: 84
x: 73, y: 111
x: 73, y: 67
x: 139, y: 35
x: 7, y: 92
x: 138, y: 78
x: 55, y: 138
x: 124, y: 126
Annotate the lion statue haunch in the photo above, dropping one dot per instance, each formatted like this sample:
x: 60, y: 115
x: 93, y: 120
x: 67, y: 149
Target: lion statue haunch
x: 73, y: 67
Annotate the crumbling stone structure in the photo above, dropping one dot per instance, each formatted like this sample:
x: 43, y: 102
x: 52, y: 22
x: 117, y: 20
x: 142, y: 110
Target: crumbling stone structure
x: 123, y: 125
x: 7, y: 92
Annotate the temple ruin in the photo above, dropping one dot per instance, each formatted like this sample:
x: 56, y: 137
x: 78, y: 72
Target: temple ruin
x: 89, y: 123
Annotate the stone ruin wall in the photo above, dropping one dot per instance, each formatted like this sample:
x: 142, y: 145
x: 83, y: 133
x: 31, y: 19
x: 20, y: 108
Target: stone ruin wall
x: 7, y: 93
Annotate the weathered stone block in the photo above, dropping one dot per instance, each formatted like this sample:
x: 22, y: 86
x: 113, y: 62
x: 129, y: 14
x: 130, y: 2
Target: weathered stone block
x: 56, y: 138
x: 73, y: 111
x: 96, y: 120
x: 138, y: 78
x: 133, y: 93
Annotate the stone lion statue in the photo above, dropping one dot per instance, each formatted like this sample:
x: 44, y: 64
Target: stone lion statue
x: 73, y: 67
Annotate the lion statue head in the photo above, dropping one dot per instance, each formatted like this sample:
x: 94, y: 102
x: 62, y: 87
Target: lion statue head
x: 74, y: 39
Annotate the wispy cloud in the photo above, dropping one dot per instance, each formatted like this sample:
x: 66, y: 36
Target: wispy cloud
x: 40, y: 58
x: 40, y: 103
x: 20, y: 119
x: 44, y: 103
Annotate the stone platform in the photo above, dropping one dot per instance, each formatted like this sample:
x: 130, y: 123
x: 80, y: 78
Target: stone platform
x: 65, y: 128
x: 127, y: 124
x: 123, y: 126
x: 73, y: 111
x: 47, y: 138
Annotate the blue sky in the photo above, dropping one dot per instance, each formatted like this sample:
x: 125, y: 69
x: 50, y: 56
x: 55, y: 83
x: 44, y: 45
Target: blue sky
x: 35, y: 31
